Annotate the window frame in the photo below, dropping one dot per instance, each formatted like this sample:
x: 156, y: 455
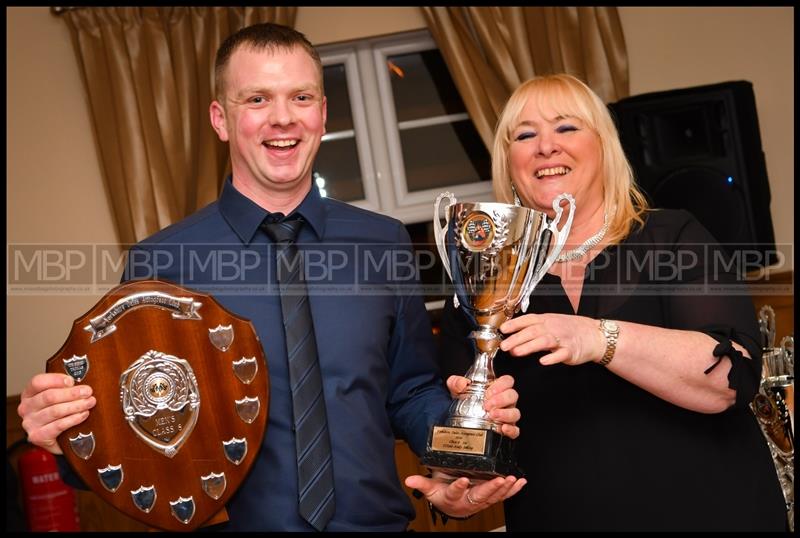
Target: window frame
x: 376, y: 126
x: 371, y: 201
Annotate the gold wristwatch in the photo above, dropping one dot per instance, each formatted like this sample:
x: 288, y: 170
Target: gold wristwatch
x: 610, y: 330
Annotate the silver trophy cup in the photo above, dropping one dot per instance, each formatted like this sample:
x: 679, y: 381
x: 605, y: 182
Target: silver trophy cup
x: 495, y: 254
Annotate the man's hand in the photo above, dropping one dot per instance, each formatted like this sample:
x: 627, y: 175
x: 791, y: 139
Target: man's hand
x: 460, y: 499
x: 501, y: 400
x: 50, y: 404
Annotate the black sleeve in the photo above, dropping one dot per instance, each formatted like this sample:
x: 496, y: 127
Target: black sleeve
x: 69, y: 476
x: 712, y: 297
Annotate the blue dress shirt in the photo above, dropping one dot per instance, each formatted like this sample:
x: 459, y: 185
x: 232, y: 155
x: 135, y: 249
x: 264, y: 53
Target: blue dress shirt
x: 376, y: 351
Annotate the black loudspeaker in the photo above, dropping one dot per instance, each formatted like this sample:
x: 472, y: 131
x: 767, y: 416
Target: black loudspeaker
x: 699, y: 149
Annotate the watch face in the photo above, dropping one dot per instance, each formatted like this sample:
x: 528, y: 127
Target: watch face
x: 611, y: 326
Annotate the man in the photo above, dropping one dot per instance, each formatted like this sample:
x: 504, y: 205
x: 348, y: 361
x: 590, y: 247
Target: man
x: 375, y: 351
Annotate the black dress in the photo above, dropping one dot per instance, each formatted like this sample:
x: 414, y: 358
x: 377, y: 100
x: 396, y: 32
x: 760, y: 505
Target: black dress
x: 601, y: 454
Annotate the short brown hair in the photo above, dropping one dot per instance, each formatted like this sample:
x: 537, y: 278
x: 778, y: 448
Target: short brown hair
x: 261, y: 36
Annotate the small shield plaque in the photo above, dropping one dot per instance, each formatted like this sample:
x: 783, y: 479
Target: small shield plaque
x: 183, y: 509
x: 82, y: 445
x: 245, y: 369
x: 221, y: 337
x: 214, y: 484
x: 144, y: 498
x: 77, y: 367
x: 111, y: 477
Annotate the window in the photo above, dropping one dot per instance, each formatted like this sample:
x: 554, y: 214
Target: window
x: 398, y: 132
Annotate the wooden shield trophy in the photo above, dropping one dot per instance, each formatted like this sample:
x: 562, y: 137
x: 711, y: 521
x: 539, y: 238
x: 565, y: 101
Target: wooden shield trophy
x: 182, y: 393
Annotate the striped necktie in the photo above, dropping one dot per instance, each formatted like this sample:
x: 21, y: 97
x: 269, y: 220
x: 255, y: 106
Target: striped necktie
x: 312, y: 442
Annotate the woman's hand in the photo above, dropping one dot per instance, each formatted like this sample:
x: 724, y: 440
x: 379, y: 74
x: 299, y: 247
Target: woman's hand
x: 570, y: 339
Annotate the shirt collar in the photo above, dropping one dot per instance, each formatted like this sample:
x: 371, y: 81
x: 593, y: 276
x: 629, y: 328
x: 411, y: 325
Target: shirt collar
x: 245, y: 216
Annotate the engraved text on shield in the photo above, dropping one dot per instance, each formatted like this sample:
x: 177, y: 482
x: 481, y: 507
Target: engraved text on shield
x: 77, y: 367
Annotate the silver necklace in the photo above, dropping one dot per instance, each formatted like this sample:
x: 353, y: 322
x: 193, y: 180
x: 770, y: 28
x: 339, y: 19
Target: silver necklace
x: 579, y: 252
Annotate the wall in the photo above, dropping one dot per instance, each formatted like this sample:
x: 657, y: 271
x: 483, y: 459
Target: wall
x: 355, y: 22
x: 682, y: 47
x: 55, y: 194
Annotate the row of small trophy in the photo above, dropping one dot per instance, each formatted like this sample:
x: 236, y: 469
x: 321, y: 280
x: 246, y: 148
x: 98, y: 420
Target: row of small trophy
x: 773, y: 405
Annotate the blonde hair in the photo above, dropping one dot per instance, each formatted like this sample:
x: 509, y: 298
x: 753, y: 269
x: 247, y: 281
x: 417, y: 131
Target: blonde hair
x: 565, y: 95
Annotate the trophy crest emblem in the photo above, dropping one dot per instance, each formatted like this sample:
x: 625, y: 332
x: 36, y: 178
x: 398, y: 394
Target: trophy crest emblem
x: 477, y: 232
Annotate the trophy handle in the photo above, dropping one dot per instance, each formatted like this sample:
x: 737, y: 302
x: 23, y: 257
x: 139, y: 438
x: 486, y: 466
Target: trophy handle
x: 560, y: 237
x: 766, y: 324
x: 440, y: 231
x: 787, y: 347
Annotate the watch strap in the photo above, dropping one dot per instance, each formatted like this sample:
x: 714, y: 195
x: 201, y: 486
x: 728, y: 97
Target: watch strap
x: 611, y: 342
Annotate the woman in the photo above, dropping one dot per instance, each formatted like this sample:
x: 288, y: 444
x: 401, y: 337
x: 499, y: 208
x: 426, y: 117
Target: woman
x: 640, y: 422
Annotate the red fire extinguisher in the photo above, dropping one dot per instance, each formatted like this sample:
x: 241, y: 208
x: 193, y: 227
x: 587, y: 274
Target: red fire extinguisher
x: 49, y: 503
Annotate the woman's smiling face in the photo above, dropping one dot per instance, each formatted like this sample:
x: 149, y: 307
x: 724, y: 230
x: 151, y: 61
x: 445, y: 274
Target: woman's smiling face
x: 551, y: 154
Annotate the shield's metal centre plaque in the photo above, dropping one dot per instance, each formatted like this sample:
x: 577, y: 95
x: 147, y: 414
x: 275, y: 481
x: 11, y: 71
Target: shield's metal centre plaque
x: 160, y: 400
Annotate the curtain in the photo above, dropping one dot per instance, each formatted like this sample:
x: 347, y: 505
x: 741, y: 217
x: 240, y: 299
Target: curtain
x: 491, y: 50
x: 149, y: 78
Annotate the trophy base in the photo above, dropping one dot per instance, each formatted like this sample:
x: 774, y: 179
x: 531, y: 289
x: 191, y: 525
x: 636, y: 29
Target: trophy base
x: 475, y: 453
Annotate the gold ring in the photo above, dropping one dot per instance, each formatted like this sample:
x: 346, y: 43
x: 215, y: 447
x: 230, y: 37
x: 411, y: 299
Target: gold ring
x: 470, y: 500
